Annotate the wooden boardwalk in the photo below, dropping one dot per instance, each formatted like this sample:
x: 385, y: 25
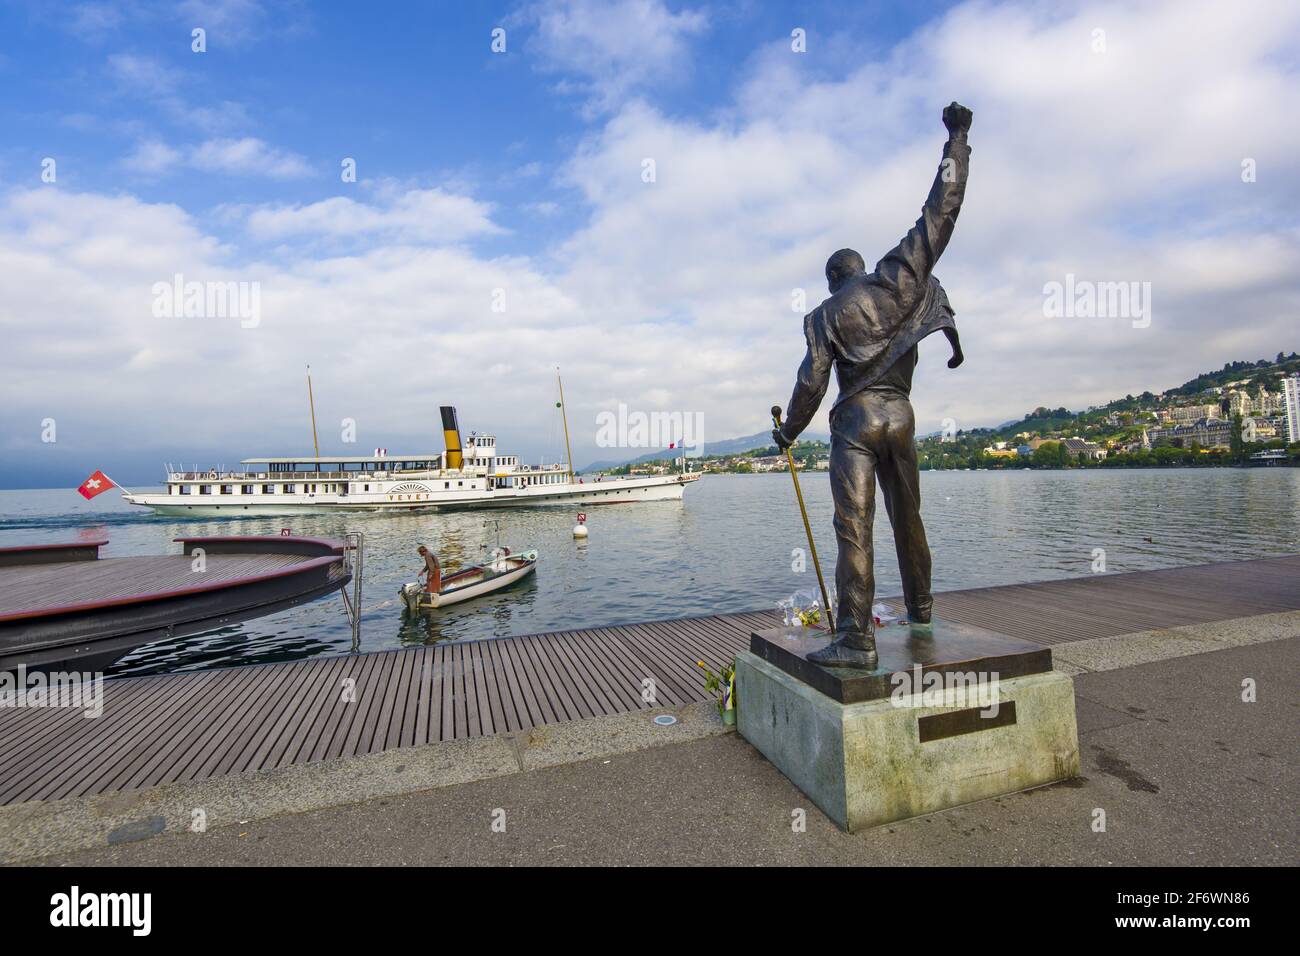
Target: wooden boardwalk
x: 191, y: 726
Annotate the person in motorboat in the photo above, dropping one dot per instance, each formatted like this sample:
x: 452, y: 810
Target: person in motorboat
x: 432, y: 570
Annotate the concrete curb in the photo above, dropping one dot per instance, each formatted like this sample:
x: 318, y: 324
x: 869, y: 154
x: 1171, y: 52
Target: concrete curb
x: 1147, y: 647
x: 32, y: 830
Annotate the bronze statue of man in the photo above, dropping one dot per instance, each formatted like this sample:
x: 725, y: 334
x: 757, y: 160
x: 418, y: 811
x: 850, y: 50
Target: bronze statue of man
x: 868, y: 330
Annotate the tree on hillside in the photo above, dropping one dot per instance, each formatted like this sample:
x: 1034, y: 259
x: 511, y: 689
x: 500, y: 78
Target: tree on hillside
x: 1048, y: 454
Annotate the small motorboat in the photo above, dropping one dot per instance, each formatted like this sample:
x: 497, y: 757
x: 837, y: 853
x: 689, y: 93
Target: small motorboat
x: 504, y: 569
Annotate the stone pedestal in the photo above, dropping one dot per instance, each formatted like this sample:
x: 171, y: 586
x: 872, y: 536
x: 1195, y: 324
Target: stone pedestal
x: 950, y: 717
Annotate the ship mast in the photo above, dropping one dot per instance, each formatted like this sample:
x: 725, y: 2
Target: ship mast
x: 311, y: 402
x: 564, y: 416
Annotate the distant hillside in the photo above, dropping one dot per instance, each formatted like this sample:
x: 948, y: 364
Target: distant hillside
x: 1121, y: 428
x: 1261, y: 372
x: 1236, y: 371
x: 728, y: 446
x: 1041, y: 420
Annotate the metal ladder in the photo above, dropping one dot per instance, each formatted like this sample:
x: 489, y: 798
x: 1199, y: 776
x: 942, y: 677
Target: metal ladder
x: 355, y: 555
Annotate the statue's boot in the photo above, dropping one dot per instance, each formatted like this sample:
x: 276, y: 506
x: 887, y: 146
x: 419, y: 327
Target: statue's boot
x: 848, y: 650
x: 921, y: 613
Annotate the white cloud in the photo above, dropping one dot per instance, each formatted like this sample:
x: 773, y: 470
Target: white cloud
x: 92, y: 21
x: 416, y: 215
x: 610, y: 49
x: 227, y: 21
x: 162, y: 85
x: 248, y: 156
x: 232, y: 157
x: 154, y: 157
x: 142, y: 75
x: 391, y: 333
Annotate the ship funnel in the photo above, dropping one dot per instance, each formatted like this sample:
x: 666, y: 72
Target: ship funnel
x: 451, y: 438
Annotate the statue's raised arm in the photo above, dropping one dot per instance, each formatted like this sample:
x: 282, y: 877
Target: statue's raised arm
x: 906, y: 269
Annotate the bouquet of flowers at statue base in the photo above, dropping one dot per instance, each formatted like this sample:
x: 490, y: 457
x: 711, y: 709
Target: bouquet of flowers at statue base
x: 723, y: 687
x: 803, y: 609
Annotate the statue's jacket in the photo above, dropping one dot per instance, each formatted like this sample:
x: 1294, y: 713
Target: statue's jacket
x: 874, y: 320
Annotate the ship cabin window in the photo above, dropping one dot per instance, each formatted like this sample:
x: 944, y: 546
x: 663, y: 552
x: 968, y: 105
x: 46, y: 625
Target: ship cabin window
x: 268, y: 489
x: 245, y: 489
x: 367, y: 487
x: 290, y: 489
x: 227, y: 489
x: 460, y: 484
x: 205, y: 489
x: 446, y: 484
x: 182, y: 489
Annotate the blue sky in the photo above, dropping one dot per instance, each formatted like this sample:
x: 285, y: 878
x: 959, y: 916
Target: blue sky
x: 516, y: 177
x: 412, y: 91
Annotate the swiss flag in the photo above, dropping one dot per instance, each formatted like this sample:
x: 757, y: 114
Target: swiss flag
x: 96, y: 484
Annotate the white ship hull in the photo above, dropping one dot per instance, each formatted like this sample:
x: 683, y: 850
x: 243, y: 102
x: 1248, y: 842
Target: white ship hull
x: 420, y: 496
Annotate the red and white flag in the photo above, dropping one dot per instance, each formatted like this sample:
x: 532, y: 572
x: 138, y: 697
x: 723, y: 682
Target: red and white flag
x: 96, y: 484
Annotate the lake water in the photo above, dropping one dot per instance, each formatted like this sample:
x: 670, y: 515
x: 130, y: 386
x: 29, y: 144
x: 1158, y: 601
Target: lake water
x: 726, y: 547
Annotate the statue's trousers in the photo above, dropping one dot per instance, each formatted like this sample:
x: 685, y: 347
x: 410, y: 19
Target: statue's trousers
x: 873, y: 438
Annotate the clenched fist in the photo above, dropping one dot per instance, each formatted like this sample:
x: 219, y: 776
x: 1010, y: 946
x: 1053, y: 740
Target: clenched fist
x: 957, y: 118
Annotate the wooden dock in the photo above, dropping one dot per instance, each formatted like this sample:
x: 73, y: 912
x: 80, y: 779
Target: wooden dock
x: 192, y: 726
